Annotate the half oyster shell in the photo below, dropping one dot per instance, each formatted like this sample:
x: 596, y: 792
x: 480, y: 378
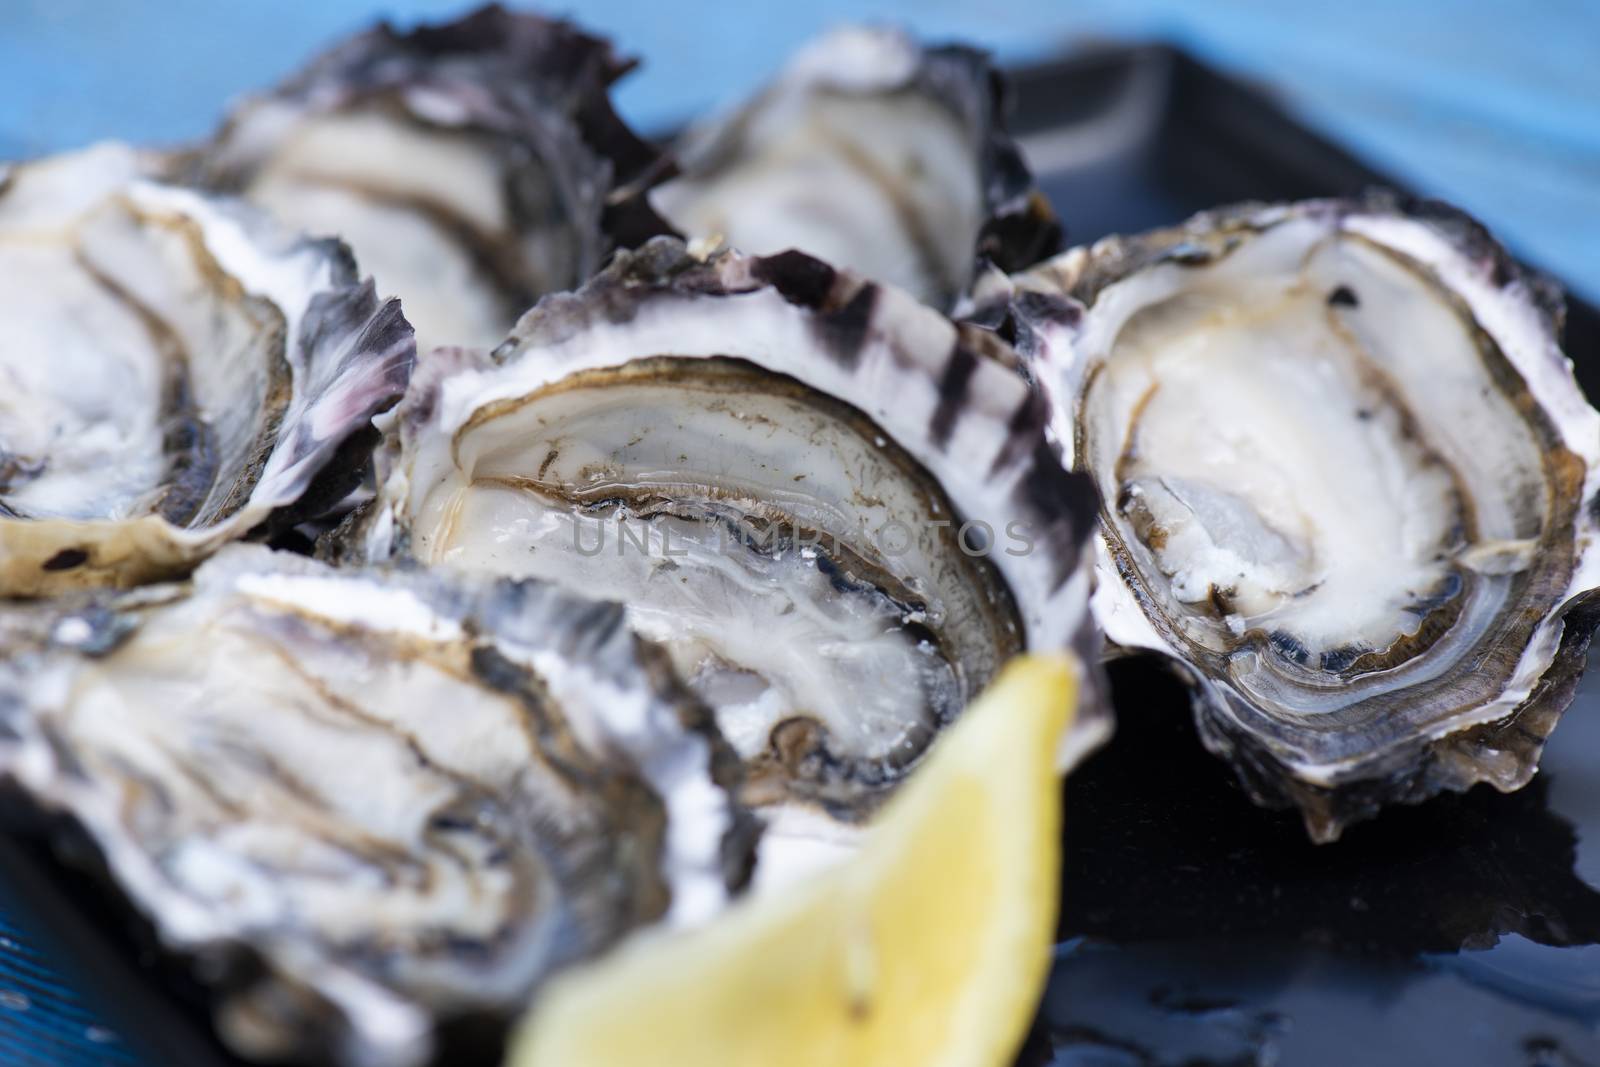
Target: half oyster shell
x: 473, y: 166
x: 368, y: 801
x: 836, y: 509
x: 875, y: 154
x: 176, y: 372
x: 1350, y: 486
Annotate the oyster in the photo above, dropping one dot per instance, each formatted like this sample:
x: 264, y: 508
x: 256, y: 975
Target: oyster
x: 366, y: 801
x: 877, y: 155
x: 473, y: 165
x: 1349, y: 484
x: 837, y: 510
x: 176, y: 372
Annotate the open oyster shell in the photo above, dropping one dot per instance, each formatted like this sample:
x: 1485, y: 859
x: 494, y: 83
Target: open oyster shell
x: 1349, y: 484
x: 176, y: 372
x: 473, y: 165
x: 367, y: 801
x: 836, y: 509
x: 875, y: 154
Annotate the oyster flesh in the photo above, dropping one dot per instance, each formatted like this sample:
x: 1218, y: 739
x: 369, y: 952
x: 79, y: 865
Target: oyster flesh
x: 875, y: 154
x: 836, y: 509
x: 176, y: 372
x: 369, y: 801
x: 1349, y: 484
x: 473, y: 166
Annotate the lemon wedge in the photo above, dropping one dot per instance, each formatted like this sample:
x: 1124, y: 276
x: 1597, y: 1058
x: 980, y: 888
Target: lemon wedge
x: 928, y: 948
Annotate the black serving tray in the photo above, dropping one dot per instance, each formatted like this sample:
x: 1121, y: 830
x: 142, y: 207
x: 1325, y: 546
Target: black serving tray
x: 1195, y: 927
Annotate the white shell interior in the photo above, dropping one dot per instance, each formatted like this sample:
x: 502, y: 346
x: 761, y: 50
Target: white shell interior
x: 764, y: 628
x: 1303, y: 440
x: 1262, y: 452
x: 113, y: 299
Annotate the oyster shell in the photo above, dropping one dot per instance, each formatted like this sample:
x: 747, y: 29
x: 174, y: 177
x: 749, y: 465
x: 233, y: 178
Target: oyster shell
x: 176, y: 372
x: 875, y: 154
x: 369, y: 800
x: 836, y: 509
x: 1349, y: 484
x: 473, y: 166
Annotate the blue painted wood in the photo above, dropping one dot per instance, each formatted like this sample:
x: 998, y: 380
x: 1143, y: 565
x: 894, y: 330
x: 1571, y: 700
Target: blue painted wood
x: 44, y: 1021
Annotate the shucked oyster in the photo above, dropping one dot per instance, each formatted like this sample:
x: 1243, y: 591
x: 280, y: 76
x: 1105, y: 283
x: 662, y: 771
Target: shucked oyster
x: 473, y: 166
x: 175, y: 371
x: 838, y: 511
x: 368, y: 800
x: 1349, y: 484
x: 877, y: 155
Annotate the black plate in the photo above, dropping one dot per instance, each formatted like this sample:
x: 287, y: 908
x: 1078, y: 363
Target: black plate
x: 1195, y: 927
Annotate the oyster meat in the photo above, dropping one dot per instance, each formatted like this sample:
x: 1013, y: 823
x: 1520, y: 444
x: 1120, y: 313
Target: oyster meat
x: 875, y: 154
x: 368, y: 801
x: 176, y: 372
x: 838, y: 510
x: 473, y: 166
x: 1349, y: 484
